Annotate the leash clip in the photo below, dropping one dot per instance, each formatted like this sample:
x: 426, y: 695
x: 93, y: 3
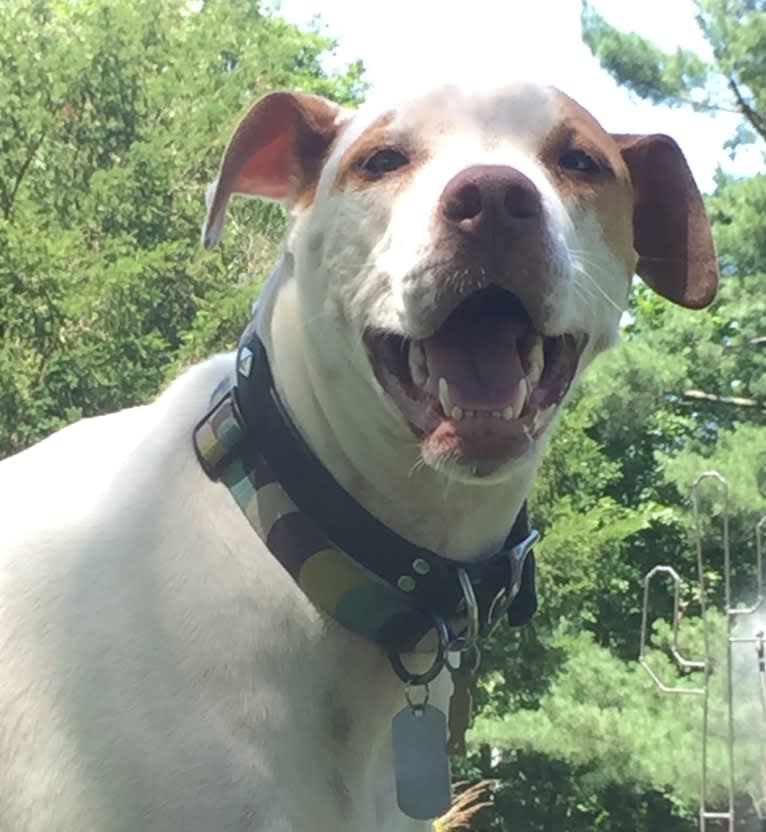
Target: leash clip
x: 517, y: 556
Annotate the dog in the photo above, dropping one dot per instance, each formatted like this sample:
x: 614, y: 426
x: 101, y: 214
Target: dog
x: 452, y: 263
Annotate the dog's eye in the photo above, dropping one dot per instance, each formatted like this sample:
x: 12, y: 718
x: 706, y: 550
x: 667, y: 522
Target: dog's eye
x: 579, y: 161
x: 384, y: 161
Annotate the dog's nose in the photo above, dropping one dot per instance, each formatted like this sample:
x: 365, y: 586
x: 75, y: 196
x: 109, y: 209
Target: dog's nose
x: 483, y: 200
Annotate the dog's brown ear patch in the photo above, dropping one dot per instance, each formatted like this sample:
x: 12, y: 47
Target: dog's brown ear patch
x: 676, y: 253
x: 276, y: 152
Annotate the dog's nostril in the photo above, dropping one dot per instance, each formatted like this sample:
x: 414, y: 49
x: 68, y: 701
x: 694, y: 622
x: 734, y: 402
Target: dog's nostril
x: 465, y: 204
x: 521, y: 201
x: 482, y: 200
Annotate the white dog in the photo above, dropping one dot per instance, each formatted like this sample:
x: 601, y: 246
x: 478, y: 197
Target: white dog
x: 452, y: 263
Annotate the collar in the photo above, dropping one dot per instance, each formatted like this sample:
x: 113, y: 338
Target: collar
x: 347, y: 562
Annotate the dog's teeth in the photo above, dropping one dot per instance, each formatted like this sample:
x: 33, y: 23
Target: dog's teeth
x: 520, y: 398
x: 456, y: 413
x: 496, y: 414
x: 536, y: 361
x: 444, y: 396
x: 508, y: 413
x: 417, y: 362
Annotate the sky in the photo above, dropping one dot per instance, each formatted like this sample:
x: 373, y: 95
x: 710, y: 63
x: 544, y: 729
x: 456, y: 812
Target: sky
x: 421, y: 41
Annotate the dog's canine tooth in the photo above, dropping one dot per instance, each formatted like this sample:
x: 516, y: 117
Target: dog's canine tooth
x: 444, y: 396
x: 456, y: 413
x: 520, y: 398
x: 536, y: 361
x: 417, y: 361
x: 508, y: 413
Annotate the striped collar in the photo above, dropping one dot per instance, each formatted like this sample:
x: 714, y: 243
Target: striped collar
x: 349, y: 564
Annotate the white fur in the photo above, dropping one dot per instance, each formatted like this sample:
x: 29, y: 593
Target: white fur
x: 158, y: 669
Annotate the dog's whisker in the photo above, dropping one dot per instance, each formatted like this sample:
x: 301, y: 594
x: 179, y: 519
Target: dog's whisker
x: 418, y: 465
x: 594, y: 285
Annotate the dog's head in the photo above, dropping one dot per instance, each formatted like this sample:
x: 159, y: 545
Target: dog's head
x: 480, y: 245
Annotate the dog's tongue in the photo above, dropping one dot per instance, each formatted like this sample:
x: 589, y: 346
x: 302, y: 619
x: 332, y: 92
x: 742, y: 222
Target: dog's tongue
x: 478, y: 355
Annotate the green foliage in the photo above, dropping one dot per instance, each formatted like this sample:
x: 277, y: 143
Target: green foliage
x: 670, y: 78
x: 611, y: 737
x: 734, y: 80
x: 116, y: 118
x: 587, y: 742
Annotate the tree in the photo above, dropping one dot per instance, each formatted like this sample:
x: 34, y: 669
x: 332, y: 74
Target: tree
x: 116, y: 118
x: 586, y: 742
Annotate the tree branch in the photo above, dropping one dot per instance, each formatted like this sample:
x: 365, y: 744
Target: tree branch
x: 759, y: 341
x: 757, y: 121
x: 8, y: 207
x: 734, y: 401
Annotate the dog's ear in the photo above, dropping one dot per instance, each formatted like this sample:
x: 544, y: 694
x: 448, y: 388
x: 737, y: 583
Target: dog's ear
x: 276, y: 152
x: 676, y: 254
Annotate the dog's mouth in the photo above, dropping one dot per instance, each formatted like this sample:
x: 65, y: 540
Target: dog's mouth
x: 484, y: 385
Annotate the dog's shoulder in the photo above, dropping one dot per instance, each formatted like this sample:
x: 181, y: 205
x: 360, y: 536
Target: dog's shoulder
x: 61, y: 482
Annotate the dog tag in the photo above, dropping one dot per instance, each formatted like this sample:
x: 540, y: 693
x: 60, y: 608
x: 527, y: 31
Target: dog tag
x: 421, y: 765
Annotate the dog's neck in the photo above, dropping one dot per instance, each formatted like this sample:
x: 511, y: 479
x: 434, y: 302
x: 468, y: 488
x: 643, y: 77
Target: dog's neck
x: 375, y: 462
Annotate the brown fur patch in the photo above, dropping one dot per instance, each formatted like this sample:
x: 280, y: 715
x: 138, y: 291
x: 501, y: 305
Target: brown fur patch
x: 376, y: 137
x: 314, y: 145
x: 609, y: 193
x: 278, y: 149
x: 676, y: 252
x: 613, y: 207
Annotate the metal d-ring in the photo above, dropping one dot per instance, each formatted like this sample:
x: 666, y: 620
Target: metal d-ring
x: 503, y: 600
x: 471, y: 635
x: 414, y: 679
x: 466, y: 642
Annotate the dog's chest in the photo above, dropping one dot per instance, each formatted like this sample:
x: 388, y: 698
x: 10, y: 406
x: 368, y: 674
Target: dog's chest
x: 170, y: 655
x: 311, y: 719
x: 296, y: 692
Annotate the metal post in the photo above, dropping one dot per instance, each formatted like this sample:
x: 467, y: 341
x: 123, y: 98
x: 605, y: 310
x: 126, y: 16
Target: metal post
x: 731, y: 613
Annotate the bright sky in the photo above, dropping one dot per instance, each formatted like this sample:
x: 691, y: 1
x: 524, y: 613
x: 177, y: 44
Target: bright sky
x: 401, y: 41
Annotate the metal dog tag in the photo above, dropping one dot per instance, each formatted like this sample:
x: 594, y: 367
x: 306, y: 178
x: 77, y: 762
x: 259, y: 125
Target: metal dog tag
x: 421, y: 765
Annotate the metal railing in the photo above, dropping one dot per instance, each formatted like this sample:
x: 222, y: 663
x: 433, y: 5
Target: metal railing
x: 732, y: 614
